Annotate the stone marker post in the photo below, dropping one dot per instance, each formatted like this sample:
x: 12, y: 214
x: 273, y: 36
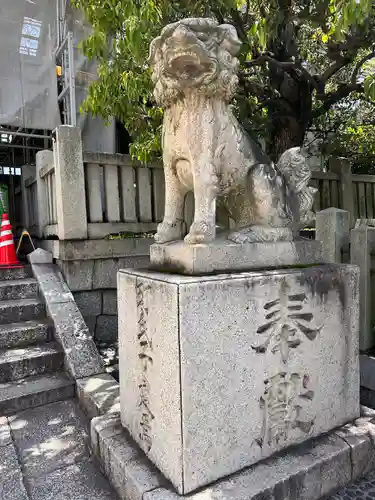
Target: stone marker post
x: 43, y: 160
x: 362, y: 244
x: 333, y: 231
x: 70, y: 184
x: 342, y: 167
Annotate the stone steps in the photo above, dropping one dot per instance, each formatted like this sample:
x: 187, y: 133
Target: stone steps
x: 26, y: 333
x: 16, y: 311
x: 28, y: 361
x: 18, y: 289
x: 34, y: 391
x: 15, y: 273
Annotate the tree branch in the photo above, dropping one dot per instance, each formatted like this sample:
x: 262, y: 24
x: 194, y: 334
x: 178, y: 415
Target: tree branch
x: 330, y: 99
x: 285, y: 66
x: 359, y: 65
x: 334, y: 68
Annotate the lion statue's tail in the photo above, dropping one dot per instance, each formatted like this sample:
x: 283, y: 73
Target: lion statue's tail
x: 294, y: 169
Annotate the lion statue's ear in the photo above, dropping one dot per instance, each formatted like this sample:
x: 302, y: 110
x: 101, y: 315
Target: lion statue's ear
x: 154, y: 48
x: 229, y: 39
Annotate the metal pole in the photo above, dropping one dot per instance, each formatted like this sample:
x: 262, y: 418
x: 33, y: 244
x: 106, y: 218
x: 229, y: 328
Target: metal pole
x: 72, y: 81
x: 58, y: 35
x: 23, y: 134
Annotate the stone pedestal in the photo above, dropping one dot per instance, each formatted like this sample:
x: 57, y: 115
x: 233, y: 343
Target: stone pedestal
x: 219, y: 372
x: 223, y: 256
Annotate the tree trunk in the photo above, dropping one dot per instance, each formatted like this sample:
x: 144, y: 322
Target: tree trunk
x: 290, y: 111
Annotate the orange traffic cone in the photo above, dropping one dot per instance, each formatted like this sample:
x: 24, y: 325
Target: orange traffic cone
x: 8, y: 255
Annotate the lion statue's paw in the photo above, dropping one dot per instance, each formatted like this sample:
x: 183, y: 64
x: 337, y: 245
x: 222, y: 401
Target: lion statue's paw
x: 200, y: 233
x: 169, y: 231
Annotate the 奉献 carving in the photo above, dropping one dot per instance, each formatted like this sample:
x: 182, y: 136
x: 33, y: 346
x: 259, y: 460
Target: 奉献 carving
x: 282, y: 405
x: 205, y: 149
x: 286, y: 322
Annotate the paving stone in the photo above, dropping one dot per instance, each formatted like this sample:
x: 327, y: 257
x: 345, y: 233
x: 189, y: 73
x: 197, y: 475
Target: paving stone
x: 11, y: 483
x: 82, y: 481
x: 49, y: 437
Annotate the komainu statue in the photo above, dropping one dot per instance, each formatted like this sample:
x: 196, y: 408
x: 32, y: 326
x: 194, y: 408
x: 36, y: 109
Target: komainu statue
x: 205, y: 149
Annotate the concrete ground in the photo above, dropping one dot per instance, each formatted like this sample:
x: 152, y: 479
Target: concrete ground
x: 43, y: 456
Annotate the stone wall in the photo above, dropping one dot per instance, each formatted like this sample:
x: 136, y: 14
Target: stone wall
x: 90, y: 269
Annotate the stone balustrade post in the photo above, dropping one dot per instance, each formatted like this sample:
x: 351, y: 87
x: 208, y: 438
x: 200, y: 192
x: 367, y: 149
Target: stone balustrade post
x: 362, y: 241
x: 26, y: 172
x: 43, y: 159
x: 333, y: 231
x: 342, y: 167
x: 70, y: 183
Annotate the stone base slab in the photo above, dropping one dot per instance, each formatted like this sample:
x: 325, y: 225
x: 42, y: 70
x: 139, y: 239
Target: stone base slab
x: 223, y: 371
x: 224, y: 256
x: 309, y: 471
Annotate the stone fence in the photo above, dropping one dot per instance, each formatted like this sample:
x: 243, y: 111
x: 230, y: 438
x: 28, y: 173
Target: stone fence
x: 342, y: 244
x: 76, y: 195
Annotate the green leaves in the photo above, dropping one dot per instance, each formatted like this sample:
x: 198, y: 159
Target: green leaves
x: 311, y: 32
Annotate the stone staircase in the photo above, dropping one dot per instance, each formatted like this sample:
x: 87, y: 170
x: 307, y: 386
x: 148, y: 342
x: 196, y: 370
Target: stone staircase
x: 31, y: 363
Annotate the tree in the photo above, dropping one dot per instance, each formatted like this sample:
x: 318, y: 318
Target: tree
x: 299, y: 60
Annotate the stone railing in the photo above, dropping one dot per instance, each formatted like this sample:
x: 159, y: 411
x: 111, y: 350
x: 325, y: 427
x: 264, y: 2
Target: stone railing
x: 30, y: 203
x: 121, y: 196
x: 83, y: 195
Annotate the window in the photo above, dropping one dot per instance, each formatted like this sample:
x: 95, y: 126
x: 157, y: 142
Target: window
x: 31, y: 29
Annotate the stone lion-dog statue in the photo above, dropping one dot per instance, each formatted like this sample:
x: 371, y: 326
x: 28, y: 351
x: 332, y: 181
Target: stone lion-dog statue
x: 205, y: 149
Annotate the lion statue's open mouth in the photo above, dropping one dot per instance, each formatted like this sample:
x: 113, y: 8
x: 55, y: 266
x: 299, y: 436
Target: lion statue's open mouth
x: 187, y: 55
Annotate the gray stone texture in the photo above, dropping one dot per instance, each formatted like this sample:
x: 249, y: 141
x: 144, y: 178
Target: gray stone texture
x: 40, y: 256
x: 14, y: 290
x: 98, y: 395
x: 5, y: 437
x: 309, y: 471
x: 16, y: 311
x: 110, y: 302
x: 20, y: 334
x: 23, y: 362
x: 332, y: 231
x: 82, y: 481
x: 11, y: 484
x: 362, y: 240
x: 222, y: 347
x: 222, y: 256
x: 34, y: 391
x: 78, y: 274
x: 70, y: 184
x: 81, y: 356
x: 51, y: 284
x: 49, y: 437
x: 91, y: 323
x: 44, y: 159
x: 89, y: 303
x: 105, y: 270
x: 129, y: 471
x: 106, y: 328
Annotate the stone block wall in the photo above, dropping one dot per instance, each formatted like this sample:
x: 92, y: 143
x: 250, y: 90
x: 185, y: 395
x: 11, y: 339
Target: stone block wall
x: 90, y: 269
